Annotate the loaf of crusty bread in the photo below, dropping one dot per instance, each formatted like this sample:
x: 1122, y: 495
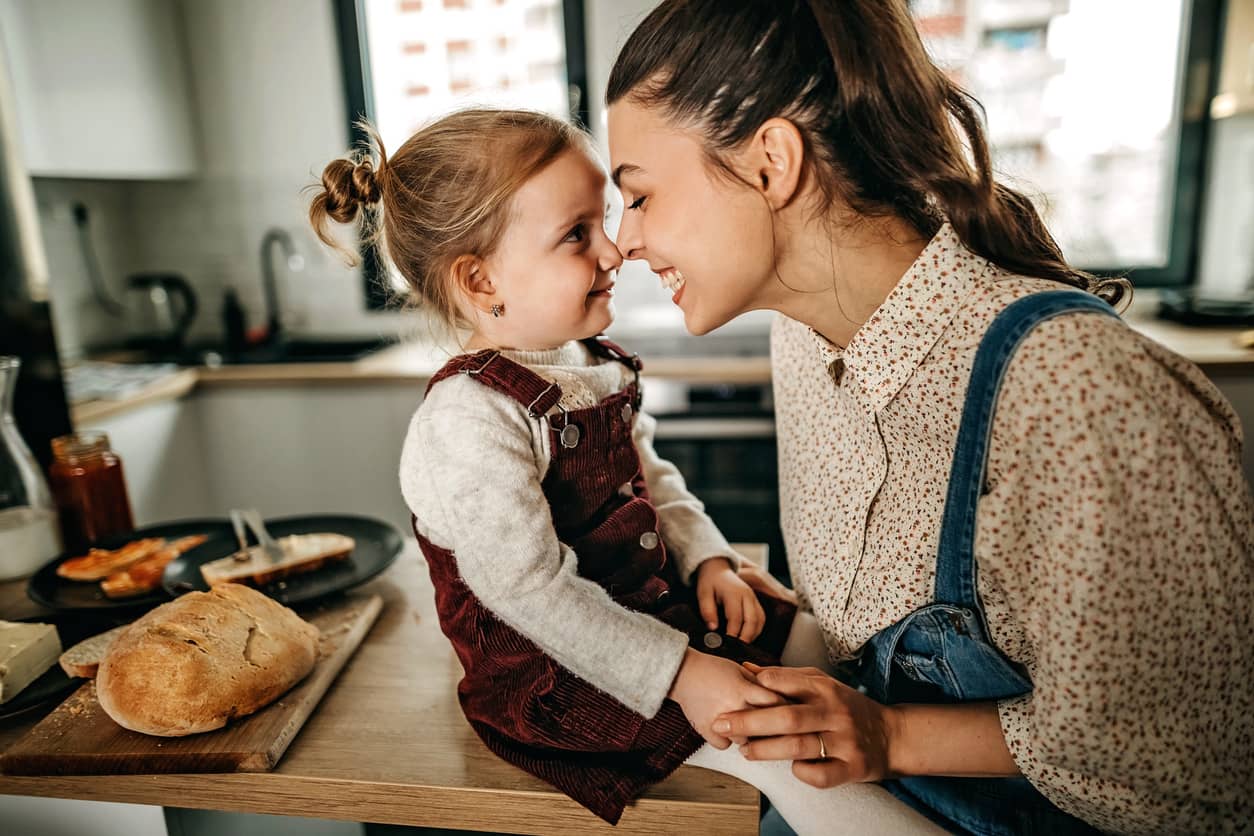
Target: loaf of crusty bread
x: 202, y: 660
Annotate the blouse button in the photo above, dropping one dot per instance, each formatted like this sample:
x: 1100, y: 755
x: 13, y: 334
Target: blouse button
x: 648, y: 540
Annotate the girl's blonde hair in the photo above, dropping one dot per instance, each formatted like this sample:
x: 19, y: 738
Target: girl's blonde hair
x: 445, y: 193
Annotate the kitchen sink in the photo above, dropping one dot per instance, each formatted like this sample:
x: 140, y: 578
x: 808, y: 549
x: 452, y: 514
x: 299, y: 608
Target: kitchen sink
x: 296, y: 350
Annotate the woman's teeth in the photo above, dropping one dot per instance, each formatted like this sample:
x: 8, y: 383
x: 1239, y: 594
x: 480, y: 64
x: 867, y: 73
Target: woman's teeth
x: 672, y: 279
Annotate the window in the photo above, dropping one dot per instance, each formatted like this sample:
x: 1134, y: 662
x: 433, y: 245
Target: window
x: 408, y: 62
x: 1096, y: 110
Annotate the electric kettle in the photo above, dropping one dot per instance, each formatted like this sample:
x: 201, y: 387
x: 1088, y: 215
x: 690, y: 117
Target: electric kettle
x: 160, y: 308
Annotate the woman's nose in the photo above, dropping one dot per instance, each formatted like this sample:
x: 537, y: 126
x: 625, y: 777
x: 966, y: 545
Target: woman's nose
x: 630, y: 242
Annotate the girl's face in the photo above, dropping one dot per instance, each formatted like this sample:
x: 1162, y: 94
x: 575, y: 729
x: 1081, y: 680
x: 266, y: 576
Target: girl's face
x: 554, y: 268
x: 708, y: 239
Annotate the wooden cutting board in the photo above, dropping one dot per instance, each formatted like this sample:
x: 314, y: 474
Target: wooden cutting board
x: 78, y: 738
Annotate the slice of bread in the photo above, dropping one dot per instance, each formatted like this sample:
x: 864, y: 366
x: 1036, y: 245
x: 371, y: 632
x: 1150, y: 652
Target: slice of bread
x: 84, y: 658
x: 145, y: 576
x: 100, y: 563
x: 301, y: 553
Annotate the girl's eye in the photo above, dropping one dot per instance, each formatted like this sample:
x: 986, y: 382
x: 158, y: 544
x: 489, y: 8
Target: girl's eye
x: 576, y: 235
x: 637, y: 203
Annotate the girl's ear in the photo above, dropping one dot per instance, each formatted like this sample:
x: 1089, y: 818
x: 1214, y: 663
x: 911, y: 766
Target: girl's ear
x: 774, y: 158
x: 471, y: 282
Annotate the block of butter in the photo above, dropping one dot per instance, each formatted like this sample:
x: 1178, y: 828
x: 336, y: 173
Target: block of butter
x: 26, y: 651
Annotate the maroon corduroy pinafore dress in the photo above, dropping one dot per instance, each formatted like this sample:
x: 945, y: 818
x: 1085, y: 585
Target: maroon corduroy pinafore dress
x: 528, y: 709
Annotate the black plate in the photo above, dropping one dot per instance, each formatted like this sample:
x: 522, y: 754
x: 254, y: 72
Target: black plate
x: 56, y: 593
x: 377, y: 545
x: 54, y: 684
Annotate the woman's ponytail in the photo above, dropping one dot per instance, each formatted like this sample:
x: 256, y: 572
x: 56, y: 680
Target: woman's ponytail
x: 890, y: 132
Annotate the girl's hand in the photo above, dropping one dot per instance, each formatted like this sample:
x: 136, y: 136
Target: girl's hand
x: 856, y: 731
x: 709, y: 686
x: 718, y: 585
x: 764, y: 582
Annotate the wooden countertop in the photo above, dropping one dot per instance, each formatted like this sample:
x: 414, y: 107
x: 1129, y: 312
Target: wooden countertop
x: 389, y: 744
x: 1221, y: 352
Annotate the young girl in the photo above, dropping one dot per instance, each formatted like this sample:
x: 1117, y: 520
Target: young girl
x: 561, y: 547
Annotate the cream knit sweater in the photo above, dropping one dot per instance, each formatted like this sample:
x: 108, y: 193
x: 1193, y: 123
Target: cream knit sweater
x: 471, y: 470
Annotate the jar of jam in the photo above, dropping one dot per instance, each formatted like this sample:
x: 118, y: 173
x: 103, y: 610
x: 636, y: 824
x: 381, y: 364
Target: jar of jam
x: 90, y: 490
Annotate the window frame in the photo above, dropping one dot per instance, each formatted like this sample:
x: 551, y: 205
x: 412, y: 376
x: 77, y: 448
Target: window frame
x: 1198, y: 84
x: 350, y: 16
x: 1199, y: 80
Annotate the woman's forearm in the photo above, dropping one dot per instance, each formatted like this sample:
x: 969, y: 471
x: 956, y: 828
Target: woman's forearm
x: 963, y: 741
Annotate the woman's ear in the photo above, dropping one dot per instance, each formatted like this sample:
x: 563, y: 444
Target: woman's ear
x: 472, y: 283
x: 776, y: 155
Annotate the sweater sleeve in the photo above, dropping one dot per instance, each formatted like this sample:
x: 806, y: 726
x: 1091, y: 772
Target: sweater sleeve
x: 1119, y: 528
x: 690, y: 535
x: 471, y: 473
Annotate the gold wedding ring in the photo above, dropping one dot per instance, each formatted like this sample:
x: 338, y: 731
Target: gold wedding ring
x: 822, y: 746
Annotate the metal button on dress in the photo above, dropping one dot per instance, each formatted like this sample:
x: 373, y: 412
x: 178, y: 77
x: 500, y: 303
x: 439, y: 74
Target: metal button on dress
x: 648, y: 540
x: 625, y: 489
x: 712, y: 640
x: 569, y: 436
x: 626, y: 413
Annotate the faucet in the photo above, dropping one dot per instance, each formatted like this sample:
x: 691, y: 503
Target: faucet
x: 276, y: 235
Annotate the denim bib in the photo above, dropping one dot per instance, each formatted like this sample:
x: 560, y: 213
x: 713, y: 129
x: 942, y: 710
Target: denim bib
x: 942, y: 652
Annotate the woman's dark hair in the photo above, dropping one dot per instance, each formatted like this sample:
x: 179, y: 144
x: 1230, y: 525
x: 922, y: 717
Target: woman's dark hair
x: 889, y: 132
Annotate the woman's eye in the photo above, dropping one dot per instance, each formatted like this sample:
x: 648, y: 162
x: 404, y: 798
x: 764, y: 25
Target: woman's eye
x: 576, y: 235
x: 637, y: 203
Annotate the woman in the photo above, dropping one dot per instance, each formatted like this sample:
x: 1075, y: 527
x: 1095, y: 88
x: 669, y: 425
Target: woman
x: 1021, y: 526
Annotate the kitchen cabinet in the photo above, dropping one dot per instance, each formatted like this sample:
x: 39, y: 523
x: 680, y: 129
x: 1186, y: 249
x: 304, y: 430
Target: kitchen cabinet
x: 100, y: 88
x: 289, y: 449
x: 161, y: 448
x: 62, y: 816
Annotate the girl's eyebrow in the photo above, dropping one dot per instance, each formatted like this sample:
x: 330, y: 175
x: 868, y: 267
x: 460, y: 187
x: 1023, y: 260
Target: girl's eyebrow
x: 586, y: 217
x: 624, y: 168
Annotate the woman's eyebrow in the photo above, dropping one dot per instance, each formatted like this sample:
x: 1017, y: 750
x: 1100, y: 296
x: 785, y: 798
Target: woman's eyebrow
x: 625, y: 168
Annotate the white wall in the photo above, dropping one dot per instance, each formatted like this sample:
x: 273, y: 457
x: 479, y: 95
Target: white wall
x: 79, y: 320
x: 269, y: 99
x: 269, y: 113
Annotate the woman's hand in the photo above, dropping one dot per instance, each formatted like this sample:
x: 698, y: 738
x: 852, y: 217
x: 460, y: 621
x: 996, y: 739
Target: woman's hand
x: 709, y: 686
x: 764, y: 582
x: 718, y: 585
x: 857, y: 732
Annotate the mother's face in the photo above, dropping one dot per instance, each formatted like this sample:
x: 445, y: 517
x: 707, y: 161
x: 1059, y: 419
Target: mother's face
x: 681, y: 215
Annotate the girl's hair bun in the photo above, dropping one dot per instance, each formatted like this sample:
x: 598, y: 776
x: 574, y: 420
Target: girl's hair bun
x: 347, y: 187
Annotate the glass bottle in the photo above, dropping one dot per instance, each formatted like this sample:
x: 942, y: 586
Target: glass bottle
x: 28, y: 518
x: 90, y: 490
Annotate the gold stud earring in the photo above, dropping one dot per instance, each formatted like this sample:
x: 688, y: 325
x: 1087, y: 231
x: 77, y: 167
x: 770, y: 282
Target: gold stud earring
x: 497, y: 310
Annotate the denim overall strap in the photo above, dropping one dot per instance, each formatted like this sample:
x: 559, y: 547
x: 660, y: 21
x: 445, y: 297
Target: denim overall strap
x: 943, y: 652
x: 955, y: 563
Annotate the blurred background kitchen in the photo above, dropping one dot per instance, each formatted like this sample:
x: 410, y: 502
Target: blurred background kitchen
x: 161, y: 284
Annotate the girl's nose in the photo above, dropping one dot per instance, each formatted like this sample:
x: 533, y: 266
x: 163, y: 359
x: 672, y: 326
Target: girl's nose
x: 609, y: 258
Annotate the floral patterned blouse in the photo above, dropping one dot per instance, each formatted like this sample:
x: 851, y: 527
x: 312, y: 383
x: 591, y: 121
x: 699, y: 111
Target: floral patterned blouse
x: 1115, y: 546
